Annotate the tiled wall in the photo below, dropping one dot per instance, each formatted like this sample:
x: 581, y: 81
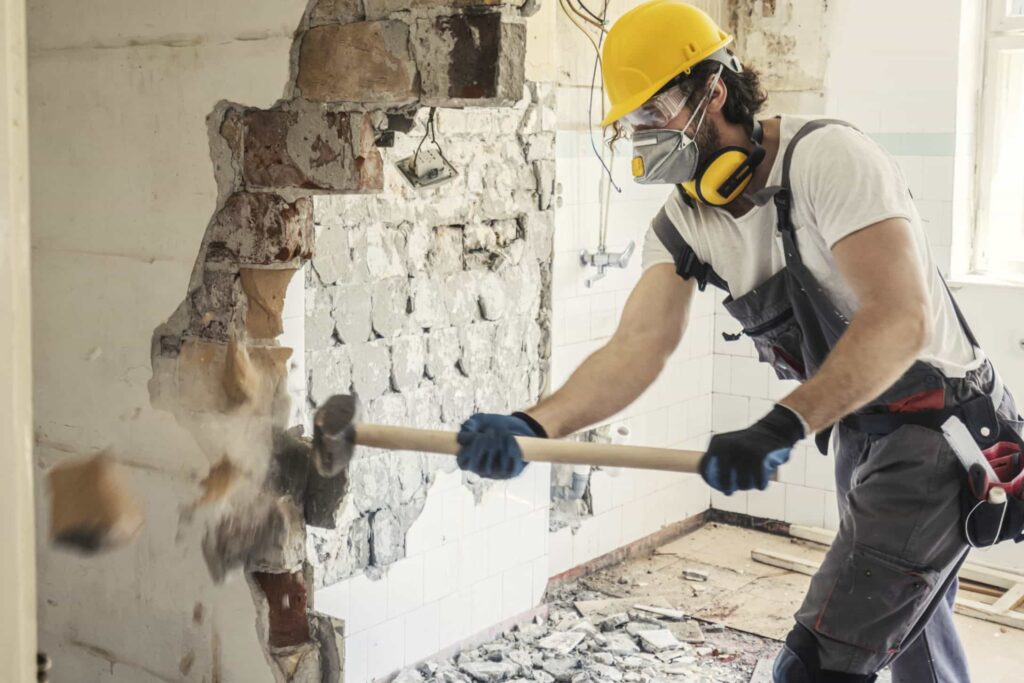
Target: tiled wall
x: 676, y: 410
x: 468, y: 566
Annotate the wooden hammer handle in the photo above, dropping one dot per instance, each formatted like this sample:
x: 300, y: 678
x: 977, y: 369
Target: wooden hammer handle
x: 534, y: 450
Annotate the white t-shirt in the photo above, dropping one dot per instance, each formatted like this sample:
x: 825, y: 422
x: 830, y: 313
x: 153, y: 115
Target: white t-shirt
x: 841, y: 182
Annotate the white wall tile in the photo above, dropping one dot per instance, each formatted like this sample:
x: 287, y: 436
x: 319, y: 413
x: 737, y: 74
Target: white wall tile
x: 729, y: 412
x: 485, y: 598
x: 427, y: 531
x: 441, y: 572
x: 491, y: 509
x: 517, y: 590
x: 405, y: 586
x: 603, y: 317
x: 357, y: 664
x: 541, y: 573
x: 455, y: 618
x: 749, y: 378
x: 422, y: 633
x: 737, y: 502
x: 369, y: 603
x: 721, y: 382
x: 560, y: 551
x: 385, y: 645
x: 805, y: 506
x: 519, y: 494
x: 820, y: 470
x: 474, y: 558
x: 770, y: 503
x: 506, y: 545
x: 794, y: 471
x: 577, y: 320
x: 457, y: 512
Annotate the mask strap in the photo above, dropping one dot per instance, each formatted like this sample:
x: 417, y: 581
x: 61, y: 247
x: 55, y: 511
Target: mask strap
x: 704, y: 101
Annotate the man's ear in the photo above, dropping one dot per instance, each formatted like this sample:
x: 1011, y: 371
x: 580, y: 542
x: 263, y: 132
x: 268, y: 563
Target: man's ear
x: 718, y: 97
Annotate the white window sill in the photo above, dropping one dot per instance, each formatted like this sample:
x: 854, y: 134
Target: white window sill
x: 986, y: 280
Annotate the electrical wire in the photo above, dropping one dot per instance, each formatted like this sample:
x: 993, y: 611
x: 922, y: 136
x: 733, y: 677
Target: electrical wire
x: 430, y: 130
x: 607, y: 181
x: 587, y: 10
x: 574, y: 17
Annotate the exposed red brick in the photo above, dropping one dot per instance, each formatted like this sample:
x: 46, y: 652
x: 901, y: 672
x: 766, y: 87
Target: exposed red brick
x: 472, y: 57
x: 287, y: 598
x: 367, y: 62
x: 258, y: 228
x: 310, y: 149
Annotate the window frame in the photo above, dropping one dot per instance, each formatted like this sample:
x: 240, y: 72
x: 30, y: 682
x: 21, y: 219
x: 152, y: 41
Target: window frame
x: 1002, y: 32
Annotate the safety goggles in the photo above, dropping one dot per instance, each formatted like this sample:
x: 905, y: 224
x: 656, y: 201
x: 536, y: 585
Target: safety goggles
x: 656, y: 112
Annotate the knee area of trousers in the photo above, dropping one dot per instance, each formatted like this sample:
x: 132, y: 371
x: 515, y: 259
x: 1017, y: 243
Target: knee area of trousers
x: 798, y: 662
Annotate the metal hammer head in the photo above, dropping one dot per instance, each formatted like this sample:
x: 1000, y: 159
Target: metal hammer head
x: 333, y: 434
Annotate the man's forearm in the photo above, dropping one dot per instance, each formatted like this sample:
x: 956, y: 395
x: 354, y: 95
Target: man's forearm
x: 876, y: 349
x: 609, y: 380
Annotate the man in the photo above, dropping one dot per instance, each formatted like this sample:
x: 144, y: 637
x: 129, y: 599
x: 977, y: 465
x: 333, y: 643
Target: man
x: 824, y: 257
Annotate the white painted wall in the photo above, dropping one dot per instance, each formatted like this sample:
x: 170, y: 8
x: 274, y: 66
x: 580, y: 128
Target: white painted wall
x: 17, y: 571
x: 122, y: 190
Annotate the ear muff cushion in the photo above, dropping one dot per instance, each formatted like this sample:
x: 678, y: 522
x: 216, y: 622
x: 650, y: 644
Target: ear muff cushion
x: 717, y: 171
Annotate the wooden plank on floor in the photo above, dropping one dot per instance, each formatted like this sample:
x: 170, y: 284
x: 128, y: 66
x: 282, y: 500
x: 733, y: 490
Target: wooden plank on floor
x: 783, y: 561
x: 979, y: 610
x: 1010, y: 600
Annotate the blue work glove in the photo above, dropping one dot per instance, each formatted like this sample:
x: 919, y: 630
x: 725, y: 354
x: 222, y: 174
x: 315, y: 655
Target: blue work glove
x: 747, y: 459
x: 489, y: 448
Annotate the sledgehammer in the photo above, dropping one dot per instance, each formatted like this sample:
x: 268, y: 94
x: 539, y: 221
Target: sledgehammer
x: 336, y: 432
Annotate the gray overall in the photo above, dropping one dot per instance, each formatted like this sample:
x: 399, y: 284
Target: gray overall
x: 884, y: 593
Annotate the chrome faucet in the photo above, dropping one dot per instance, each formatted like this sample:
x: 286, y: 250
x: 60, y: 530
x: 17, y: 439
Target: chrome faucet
x: 603, y: 260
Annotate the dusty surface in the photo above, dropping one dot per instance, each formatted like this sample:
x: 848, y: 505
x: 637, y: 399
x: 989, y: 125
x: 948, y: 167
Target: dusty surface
x: 720, y: 630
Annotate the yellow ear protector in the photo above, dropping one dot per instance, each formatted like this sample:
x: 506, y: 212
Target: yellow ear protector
x: 724, y: 176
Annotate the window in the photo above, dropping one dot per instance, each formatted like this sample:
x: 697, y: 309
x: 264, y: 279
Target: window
x: 999, y: 236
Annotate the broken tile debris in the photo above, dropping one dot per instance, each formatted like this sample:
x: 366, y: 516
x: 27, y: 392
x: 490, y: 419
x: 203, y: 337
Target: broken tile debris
x: 589, y: 639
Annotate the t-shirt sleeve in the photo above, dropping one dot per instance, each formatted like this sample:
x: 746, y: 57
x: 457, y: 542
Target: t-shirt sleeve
x: 654, y: 252
x: 849, y: 182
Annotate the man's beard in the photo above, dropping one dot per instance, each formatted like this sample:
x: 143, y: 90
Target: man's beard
x: 708, y: 143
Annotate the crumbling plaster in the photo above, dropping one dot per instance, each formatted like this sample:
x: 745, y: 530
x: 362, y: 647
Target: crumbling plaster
x: 431, y: 304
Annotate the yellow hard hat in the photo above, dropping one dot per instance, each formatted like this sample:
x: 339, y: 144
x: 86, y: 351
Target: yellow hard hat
x: 649, y: 46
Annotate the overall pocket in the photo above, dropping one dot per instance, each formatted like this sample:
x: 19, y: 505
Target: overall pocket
x: 779, y: 342
x: 875, y: 601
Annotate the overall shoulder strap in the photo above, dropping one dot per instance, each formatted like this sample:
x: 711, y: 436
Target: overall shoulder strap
x: 687, y: 264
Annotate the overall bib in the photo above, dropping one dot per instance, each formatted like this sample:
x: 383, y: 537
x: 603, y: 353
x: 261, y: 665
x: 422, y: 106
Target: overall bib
x: 884, y: 594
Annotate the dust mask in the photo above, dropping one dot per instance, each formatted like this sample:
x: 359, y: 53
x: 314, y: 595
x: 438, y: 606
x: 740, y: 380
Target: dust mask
x: 667, y: 155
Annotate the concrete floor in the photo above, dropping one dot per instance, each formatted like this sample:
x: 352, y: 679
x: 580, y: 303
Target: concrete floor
x: 756, y: 598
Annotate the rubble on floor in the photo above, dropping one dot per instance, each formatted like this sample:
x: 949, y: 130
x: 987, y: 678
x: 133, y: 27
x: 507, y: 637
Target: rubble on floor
x: 588, y: 637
